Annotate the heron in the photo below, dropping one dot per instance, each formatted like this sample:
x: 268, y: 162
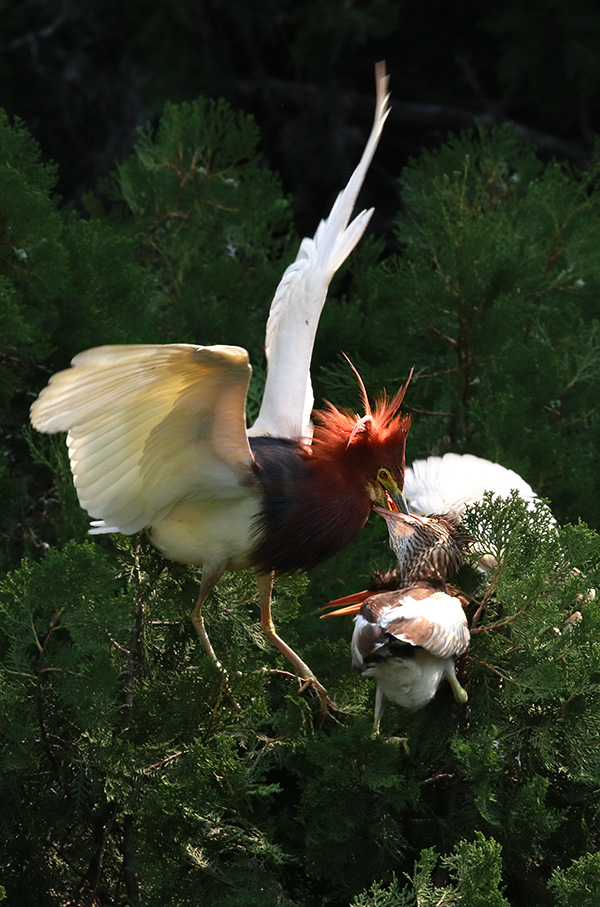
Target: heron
x: 451, y: 483
x: 448, y: 484
x: 158, y: 441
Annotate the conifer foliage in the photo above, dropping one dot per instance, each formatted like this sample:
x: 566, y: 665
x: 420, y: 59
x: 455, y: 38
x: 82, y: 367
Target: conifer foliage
x: 131, y: 772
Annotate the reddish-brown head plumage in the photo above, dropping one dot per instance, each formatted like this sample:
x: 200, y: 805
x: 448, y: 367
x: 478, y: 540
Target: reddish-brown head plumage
x: 316, y: 506
x: 375, y: 440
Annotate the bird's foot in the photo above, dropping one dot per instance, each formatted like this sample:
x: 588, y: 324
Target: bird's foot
x: 311, y: 683
x: 228, y: 695
x: 328, y: 708
x: 459, y: 693
x: 225, y: 692
x: 225, y: 687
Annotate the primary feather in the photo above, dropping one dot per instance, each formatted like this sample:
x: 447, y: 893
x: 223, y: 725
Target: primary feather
x: 288, y: 397
x: 450, y: 483
x: 149, y: 426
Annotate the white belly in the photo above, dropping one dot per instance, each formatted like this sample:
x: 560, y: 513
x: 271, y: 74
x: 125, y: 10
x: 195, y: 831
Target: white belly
x: 411, y: 682
x: 198, y: 532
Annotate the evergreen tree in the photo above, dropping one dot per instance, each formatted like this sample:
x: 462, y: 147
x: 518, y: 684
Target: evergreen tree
x: 131, y: 773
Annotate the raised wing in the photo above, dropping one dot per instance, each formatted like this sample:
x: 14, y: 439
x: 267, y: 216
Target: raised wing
x: 437, y: 624
x: 450, y: 483
x: 150, y: 425
x: 288, y: 398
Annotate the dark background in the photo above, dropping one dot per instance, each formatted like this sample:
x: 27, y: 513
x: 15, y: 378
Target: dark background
x: 84, y: 76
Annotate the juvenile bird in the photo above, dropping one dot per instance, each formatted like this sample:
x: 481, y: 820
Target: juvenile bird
x: 449, y: 484
x: 158, y: 442
x: 408, y: 638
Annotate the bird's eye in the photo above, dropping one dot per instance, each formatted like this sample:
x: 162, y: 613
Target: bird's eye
x: 384, y: 475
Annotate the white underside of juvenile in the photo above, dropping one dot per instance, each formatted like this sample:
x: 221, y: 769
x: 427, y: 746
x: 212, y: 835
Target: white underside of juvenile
x: 412, y: 683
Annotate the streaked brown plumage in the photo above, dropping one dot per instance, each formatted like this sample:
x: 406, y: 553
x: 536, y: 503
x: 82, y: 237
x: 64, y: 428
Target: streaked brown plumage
x: 428, y: 549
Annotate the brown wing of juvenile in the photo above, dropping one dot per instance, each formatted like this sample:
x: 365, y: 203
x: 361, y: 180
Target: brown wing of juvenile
x: 420, y: 616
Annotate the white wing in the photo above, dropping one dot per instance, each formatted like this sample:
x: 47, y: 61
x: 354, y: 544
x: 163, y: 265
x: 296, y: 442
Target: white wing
x: 450, y: 483
x: 299, y: 298
x: 150, y: 426
x: 437, y: 623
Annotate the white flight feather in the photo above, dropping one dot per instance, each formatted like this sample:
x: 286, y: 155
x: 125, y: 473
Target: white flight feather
x: 288, y: 398
x: 450, y: 483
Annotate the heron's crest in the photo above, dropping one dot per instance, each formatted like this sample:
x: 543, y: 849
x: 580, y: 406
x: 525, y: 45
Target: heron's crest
x: 382, y: 427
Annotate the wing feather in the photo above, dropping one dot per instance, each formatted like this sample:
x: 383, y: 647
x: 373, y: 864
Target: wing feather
x: 437, y: 624
x: 448, y: 484
x: 435, y: 621
x: 299, y: 298
x: 150, y: 425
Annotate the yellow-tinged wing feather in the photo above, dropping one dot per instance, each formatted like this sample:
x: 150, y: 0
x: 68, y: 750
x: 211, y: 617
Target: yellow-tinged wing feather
x: 151, y: 425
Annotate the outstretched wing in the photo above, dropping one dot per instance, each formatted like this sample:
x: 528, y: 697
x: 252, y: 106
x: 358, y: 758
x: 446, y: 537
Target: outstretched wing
x: 149, y: 426
x: 450, y: 483
x: 435, y: 621
x: 299, y: 298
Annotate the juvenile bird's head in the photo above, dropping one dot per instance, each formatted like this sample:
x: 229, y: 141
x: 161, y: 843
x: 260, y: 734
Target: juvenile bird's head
x: 427, y: 548
x: 369, y: 449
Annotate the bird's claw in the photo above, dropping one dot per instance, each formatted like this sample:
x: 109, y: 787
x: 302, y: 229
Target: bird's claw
x: 328, y: 707
x: 311, y: 683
